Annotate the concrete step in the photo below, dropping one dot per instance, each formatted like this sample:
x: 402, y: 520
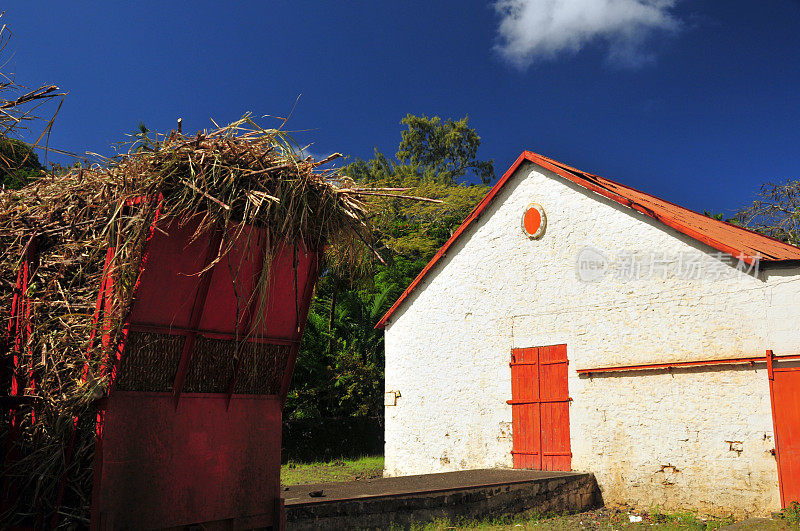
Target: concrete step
x: 401, y: 501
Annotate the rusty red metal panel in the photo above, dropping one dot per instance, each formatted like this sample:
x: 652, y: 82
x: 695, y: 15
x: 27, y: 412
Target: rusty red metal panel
x: 162, y: 467
x: 784, y: 380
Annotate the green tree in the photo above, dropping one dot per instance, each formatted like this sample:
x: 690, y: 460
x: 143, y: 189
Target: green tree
x: 19, y: 164
x: 340, y: 368
x: 444, y: 151
x: 722, y: 217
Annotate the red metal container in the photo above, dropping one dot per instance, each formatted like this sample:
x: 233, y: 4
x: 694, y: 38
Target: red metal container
x: 190, y: 430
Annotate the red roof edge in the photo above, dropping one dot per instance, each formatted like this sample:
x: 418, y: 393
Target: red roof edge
x: 585, y: 180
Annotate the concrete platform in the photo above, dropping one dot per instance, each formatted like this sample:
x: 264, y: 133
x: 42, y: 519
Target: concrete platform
x: 401, y: 501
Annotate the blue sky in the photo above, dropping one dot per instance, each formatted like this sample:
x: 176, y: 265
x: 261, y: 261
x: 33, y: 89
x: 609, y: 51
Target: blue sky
x: 697, y: 101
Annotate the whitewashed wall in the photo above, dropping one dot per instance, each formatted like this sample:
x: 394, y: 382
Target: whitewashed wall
x: 697, y: 439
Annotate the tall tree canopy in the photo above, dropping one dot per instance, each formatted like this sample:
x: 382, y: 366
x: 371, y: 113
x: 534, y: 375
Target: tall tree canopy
x: 446, y: 151
x: 340, y: 368
x: 19, y: 164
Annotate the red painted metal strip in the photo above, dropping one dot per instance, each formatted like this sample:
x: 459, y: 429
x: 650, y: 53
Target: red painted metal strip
x: 524, y: 453
x: 110, y: 356
x: 248, y: 338
x: 517, y: 363
x: 15, y: 303
x: 32, y: 260
x: 546, y: 401
x: 234, y: 377
x: 22, y: 284
x: 20, y: 331
x: 243, y: 327
x: 679, y: 364
x: 216, y: 396
x: 670, y: 222
x: 98, y: 308
x: 96, y: 498
x: 790, y: 249
x: 555, y: 362
x: 20, y: 324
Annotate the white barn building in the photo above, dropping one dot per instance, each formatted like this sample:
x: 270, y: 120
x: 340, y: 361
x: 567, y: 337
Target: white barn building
x: 573, y: 323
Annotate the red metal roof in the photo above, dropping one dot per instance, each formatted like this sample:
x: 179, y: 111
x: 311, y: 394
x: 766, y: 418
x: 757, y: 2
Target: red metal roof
x: 736, y: 241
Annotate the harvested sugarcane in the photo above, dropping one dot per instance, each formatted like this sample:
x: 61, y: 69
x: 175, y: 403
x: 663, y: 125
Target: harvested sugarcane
x: 223, y: 180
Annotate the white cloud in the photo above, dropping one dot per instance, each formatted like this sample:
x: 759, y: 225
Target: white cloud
x: 533, y: 30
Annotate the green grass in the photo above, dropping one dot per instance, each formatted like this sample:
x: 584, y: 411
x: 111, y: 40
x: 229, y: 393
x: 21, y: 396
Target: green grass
x: 791, y: 515
x: 687, y: 520
x: 599, y: 519
x: 368, y: 467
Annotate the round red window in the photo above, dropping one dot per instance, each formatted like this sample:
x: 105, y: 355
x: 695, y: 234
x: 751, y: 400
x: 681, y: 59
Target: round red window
x: 534, y: 220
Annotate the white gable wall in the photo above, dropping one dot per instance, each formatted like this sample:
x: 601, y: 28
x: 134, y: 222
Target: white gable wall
x: 699, y: 439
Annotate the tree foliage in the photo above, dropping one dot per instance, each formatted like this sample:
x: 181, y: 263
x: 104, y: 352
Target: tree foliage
x: 340, y: 368
x: 775, y: 212
x: 446, y: 150
x: 19, y: 163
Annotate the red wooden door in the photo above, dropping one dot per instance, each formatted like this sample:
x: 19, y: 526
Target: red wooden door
x: 785, y: 395
x: 540, y: 408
